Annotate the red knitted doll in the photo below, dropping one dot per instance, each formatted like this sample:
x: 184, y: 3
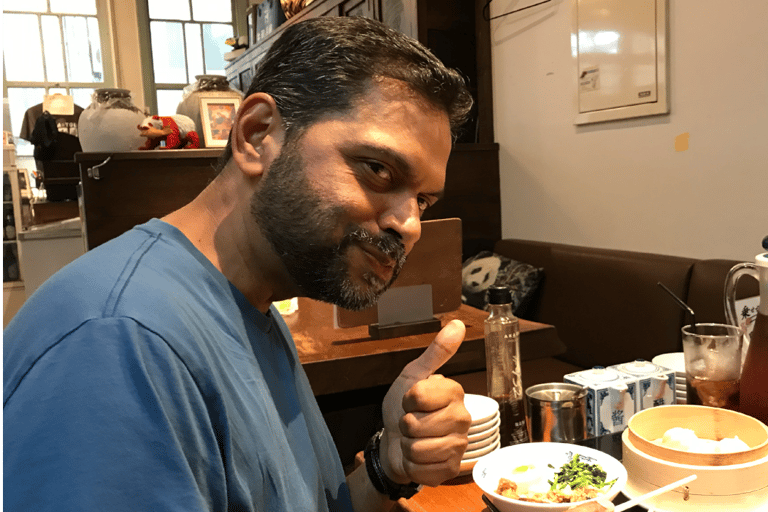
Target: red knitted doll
x: 177, y: 131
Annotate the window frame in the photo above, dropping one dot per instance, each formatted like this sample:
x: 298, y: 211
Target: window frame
x: 106, y: 37
x: 151, y: 87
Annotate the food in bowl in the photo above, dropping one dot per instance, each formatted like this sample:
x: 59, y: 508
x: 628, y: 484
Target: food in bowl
x: 574, y: 481
x: 685, y: 439
x: 532, y: 461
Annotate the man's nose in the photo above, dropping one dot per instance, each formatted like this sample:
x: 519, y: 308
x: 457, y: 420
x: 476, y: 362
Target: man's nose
x: 403, y: 216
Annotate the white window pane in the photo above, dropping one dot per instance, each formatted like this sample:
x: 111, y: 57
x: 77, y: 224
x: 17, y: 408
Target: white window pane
x: 194, y: 51
x: 169, y: 9
x: 54, y: 54
x: 21, y: 31
x: 167, y: 101
x: 168, y: 52
x: 57, y: 90
x: 28, y: 5
x: 205, y: 10
x: 74, y: 6
x: 94, y: 44
x: 19, y: 100
x: 81, y: 97
x: 214, y: 45
x: 82, y: 46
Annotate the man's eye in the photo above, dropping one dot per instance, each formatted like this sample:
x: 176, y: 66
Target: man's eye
x: 379, y: 170
x: 423, y: 204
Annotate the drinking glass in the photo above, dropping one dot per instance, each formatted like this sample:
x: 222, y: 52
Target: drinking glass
x: 713, y: 364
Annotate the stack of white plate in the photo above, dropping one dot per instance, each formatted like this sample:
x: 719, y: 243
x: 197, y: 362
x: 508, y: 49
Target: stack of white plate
x: 483, y: 432
x: 675, y: 361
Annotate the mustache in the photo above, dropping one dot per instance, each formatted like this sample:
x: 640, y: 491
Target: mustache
x: 388, y: 243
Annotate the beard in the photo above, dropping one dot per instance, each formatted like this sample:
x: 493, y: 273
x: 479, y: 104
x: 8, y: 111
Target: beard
x: 300, y: 226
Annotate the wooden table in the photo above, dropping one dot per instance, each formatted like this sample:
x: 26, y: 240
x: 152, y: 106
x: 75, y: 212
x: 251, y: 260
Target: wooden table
x: 462, y: 494
x: 340, y: 360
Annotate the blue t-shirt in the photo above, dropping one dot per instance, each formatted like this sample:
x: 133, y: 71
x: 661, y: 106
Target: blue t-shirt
x: 139, y: 379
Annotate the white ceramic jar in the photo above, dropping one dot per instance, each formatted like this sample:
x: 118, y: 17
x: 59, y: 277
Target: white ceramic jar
x: 110, y: 123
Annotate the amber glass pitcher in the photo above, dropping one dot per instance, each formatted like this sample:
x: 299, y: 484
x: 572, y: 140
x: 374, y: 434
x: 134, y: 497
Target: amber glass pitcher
x: 754, y: 377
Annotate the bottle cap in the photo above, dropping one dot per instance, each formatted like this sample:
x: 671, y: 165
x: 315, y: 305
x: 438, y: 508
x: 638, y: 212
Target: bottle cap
x: 499, y: 295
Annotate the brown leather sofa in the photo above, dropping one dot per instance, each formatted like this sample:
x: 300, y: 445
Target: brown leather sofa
x: 607, y: 306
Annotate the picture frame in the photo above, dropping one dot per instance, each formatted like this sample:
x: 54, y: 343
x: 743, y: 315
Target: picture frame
x: 217, y: 115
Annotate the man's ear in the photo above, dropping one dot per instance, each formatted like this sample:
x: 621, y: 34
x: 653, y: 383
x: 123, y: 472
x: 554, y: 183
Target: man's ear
x: 257, y: 133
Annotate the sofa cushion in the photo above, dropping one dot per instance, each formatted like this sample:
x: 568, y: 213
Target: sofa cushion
x: 606, y: 304
x: 487, y: 268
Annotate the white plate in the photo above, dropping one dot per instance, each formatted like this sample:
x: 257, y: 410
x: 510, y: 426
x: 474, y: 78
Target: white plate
x: 483, y: 427
x: 481, y: 408
x: 484, y: 441
x: 673, y: 361
x: 485, y: 434
x: 468, y: 464
x: 479, y: 452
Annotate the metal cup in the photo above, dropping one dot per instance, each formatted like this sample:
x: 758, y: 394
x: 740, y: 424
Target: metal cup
x: 557, y: 412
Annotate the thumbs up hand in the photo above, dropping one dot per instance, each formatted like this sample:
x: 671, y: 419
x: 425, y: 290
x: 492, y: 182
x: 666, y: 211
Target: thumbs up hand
x: 425, y: 421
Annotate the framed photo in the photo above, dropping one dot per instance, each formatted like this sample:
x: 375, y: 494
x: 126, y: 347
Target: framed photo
x: 217, y: 115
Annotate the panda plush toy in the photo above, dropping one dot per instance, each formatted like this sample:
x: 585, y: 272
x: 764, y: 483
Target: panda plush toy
x: 485, y: 269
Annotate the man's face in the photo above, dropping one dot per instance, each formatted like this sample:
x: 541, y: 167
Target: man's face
x: 341, y: 205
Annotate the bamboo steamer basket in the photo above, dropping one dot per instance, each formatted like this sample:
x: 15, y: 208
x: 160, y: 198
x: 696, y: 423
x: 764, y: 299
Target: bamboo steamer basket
x: 734, y: 481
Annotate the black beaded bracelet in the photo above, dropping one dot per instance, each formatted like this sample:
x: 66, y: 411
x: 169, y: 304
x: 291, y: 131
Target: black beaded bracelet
x: 379, y: 479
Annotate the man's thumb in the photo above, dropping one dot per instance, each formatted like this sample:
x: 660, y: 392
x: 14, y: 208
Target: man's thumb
x: 442, y: 348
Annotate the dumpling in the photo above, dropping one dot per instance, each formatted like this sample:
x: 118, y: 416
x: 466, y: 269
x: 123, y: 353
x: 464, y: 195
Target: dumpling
x: 679, y: 438
x: 730, y: 445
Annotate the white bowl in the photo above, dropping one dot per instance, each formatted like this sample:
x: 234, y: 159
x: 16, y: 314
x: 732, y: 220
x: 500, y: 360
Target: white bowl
x: 500, y: 464
x: 674, y: 361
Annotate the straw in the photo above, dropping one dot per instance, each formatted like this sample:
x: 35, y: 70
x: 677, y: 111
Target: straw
x: 682, y: 305
x: 660, y: 490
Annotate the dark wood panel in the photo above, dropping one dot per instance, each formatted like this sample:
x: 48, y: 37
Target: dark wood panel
x: 135, y: 186
x: 472, y: 194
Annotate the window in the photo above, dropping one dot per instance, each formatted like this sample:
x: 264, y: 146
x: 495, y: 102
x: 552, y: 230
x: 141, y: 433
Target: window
x: 51, y: 46
x: 186, y: 38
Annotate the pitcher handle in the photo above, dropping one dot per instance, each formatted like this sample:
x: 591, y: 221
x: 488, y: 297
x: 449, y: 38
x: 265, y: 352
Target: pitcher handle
x: 729, y: 297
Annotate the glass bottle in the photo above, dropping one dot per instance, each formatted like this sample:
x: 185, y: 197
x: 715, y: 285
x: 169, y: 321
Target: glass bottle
x: 502, y: 363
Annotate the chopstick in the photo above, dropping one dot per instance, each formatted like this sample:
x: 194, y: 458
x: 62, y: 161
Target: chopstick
x: 490, y: 504
x: 660, y: 490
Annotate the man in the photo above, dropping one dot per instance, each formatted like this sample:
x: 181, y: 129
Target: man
x: 154, y: 374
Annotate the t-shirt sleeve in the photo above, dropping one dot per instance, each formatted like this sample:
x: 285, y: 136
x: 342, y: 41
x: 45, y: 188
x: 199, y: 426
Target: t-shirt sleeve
x: 109, y: 418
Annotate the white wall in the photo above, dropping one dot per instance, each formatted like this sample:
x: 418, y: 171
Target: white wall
x: 621, y: 184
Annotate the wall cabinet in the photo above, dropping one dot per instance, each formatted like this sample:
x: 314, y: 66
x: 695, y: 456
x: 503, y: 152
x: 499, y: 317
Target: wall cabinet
x: 454, y: 30
x: 121, y: 190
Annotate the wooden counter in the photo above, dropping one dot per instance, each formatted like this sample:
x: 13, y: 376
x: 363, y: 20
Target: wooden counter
x: 122, y: 190
x: 338, y: 360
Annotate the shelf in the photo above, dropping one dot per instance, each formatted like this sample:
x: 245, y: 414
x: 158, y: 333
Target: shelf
x: 13, y: 284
